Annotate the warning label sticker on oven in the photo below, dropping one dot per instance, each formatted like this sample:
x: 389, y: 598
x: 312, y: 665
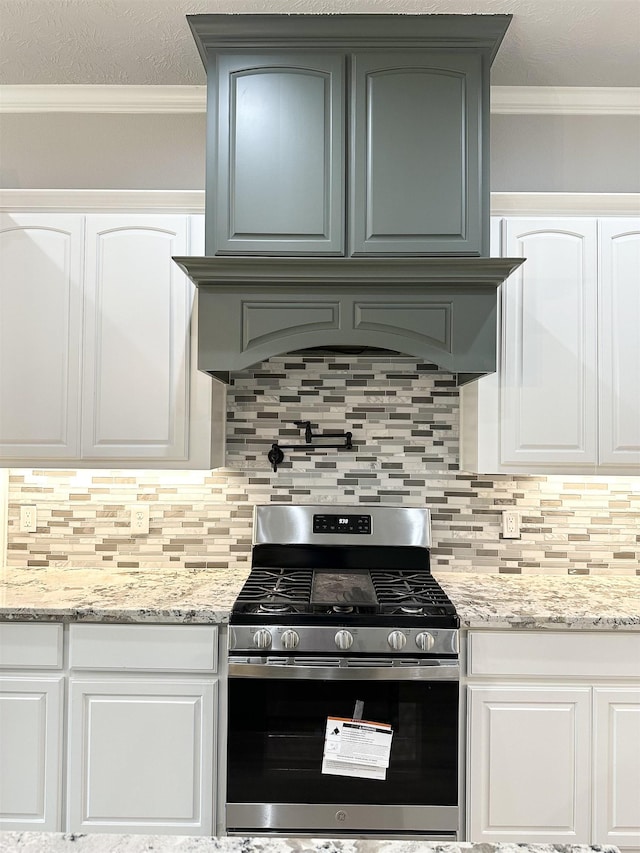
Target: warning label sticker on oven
x: 356, y: 748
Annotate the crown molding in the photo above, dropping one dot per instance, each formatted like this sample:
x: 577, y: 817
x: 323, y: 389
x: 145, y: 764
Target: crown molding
x: 103, y: 99
x: 565, y: 204
x: 565, y: 100
x: 523, y: 100
x: 192, y: 201
x: 102, y: 201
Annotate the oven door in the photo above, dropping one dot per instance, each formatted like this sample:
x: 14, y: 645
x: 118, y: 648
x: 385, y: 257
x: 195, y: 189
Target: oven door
x: 276, y: 732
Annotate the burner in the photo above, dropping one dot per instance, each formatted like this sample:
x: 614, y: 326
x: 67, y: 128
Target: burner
x: 276, y: 607
x: 412, y: 610
x: 342, y: 608
x: 271, y: 591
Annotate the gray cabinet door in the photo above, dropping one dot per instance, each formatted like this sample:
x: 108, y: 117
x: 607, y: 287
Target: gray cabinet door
x: 416, y: 170
x: 279, y: 187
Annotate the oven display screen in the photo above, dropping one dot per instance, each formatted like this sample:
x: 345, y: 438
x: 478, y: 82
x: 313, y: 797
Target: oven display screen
x: 336, y: 587
x: 342, y: 524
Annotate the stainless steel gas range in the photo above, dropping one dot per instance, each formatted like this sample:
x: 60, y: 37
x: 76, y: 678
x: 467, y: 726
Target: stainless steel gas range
x: 343, y: 679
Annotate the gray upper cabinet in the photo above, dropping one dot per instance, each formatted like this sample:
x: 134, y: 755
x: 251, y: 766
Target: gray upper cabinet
x: 280, y: 165
x: 415, y: 154
x: 348, y: 134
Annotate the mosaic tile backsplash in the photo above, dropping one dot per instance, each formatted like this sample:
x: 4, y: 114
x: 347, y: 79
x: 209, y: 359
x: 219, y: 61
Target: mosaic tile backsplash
x: 404, y: 419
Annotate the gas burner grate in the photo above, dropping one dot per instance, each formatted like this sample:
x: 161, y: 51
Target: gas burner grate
x: 275, y: 591
x: 410, y: 592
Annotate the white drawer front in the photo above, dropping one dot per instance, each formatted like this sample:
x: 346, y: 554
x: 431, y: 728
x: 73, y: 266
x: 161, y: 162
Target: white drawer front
x: 27, y: 645
x: 528, y: 653
x: 166, y: 648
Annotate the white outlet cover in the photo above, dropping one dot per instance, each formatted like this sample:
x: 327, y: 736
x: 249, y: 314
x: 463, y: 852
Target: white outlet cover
x: 510, y: 524
x: 139, y: 519
x: 28, y: 519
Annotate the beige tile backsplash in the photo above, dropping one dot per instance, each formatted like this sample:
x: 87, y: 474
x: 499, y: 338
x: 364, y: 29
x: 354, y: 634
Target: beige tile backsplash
x: 404, y: 419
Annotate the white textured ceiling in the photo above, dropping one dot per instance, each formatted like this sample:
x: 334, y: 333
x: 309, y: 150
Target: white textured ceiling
x: 549, y: 42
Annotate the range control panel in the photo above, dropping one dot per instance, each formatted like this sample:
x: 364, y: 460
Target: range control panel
x: 342, y: 524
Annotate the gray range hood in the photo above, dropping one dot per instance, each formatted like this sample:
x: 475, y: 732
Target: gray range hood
x: 347, y: 201
x: 441, y: 310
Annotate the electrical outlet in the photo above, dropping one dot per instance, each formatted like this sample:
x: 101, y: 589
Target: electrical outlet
x: 510, y: 524
x: 28, y: 519
x: 139, y: 519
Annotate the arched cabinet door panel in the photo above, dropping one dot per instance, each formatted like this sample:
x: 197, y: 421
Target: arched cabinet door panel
x: 137, y: 360
x: 416, y: 170
x: 548, y: 384
x: 40, y: 335
x: 619, y: 349
x: 279, y: 183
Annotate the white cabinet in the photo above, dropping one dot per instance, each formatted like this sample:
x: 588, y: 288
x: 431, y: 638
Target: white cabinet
x: 40, y: 335
x: 553, y: 737
x: 31, y: 714
x: 619, y: 342
x: 97, y: 362
x: 548, y: 363
x: 141, y: 756
x: 136, y: 357
x: 31, y: 727
x: 529, y: 763
x: 617, y: 766
x: 140, y: 728
x: 566, y: 397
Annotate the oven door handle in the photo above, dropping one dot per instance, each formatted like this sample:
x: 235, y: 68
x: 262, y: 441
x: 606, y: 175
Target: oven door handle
x: 435, y: 670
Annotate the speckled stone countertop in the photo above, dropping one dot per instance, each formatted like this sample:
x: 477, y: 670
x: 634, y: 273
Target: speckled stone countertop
x: 604, y: 602
x: 39, y: 842
x: 206, y: 596
x: 96, y: 595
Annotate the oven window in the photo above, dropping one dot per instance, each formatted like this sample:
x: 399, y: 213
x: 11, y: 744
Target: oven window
x: 276, y: 741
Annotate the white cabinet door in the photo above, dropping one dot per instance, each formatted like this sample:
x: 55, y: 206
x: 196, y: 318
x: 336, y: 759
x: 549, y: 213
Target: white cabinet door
x: 137, y: 355
x: 617, y: 766
x: 141, y: 756
x: 549, y: 350
x: 40, y: 335
x: 619, y: 342
x: 31, y: 714
x: 529, y: 763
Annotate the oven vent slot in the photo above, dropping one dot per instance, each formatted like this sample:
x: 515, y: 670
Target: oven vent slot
x: 317, y: 662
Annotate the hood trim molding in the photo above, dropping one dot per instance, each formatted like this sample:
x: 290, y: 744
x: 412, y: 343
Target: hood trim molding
x: 440, y: 310
x: 363, y: 272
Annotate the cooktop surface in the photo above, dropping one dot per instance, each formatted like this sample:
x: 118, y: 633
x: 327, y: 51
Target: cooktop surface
x: 333, y: 594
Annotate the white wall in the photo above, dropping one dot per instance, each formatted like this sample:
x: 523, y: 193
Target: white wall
x: 529, y: 153
x: 552, y: 153
x: 101, y: 151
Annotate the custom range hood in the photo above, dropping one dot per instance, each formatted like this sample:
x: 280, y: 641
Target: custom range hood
x: 347, y: 201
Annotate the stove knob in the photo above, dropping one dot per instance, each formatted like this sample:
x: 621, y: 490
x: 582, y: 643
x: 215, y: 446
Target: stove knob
x: 290, y: 639
x: 344, y: 640
x: 262, y: 638
x: 397, y: 640
x: 425, y: 641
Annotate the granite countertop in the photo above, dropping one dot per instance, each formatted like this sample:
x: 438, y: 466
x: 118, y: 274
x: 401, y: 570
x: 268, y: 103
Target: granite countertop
x: 49, y: 842
x: 604, y: 602
x: 99, y: 595
x: 581, y: 602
